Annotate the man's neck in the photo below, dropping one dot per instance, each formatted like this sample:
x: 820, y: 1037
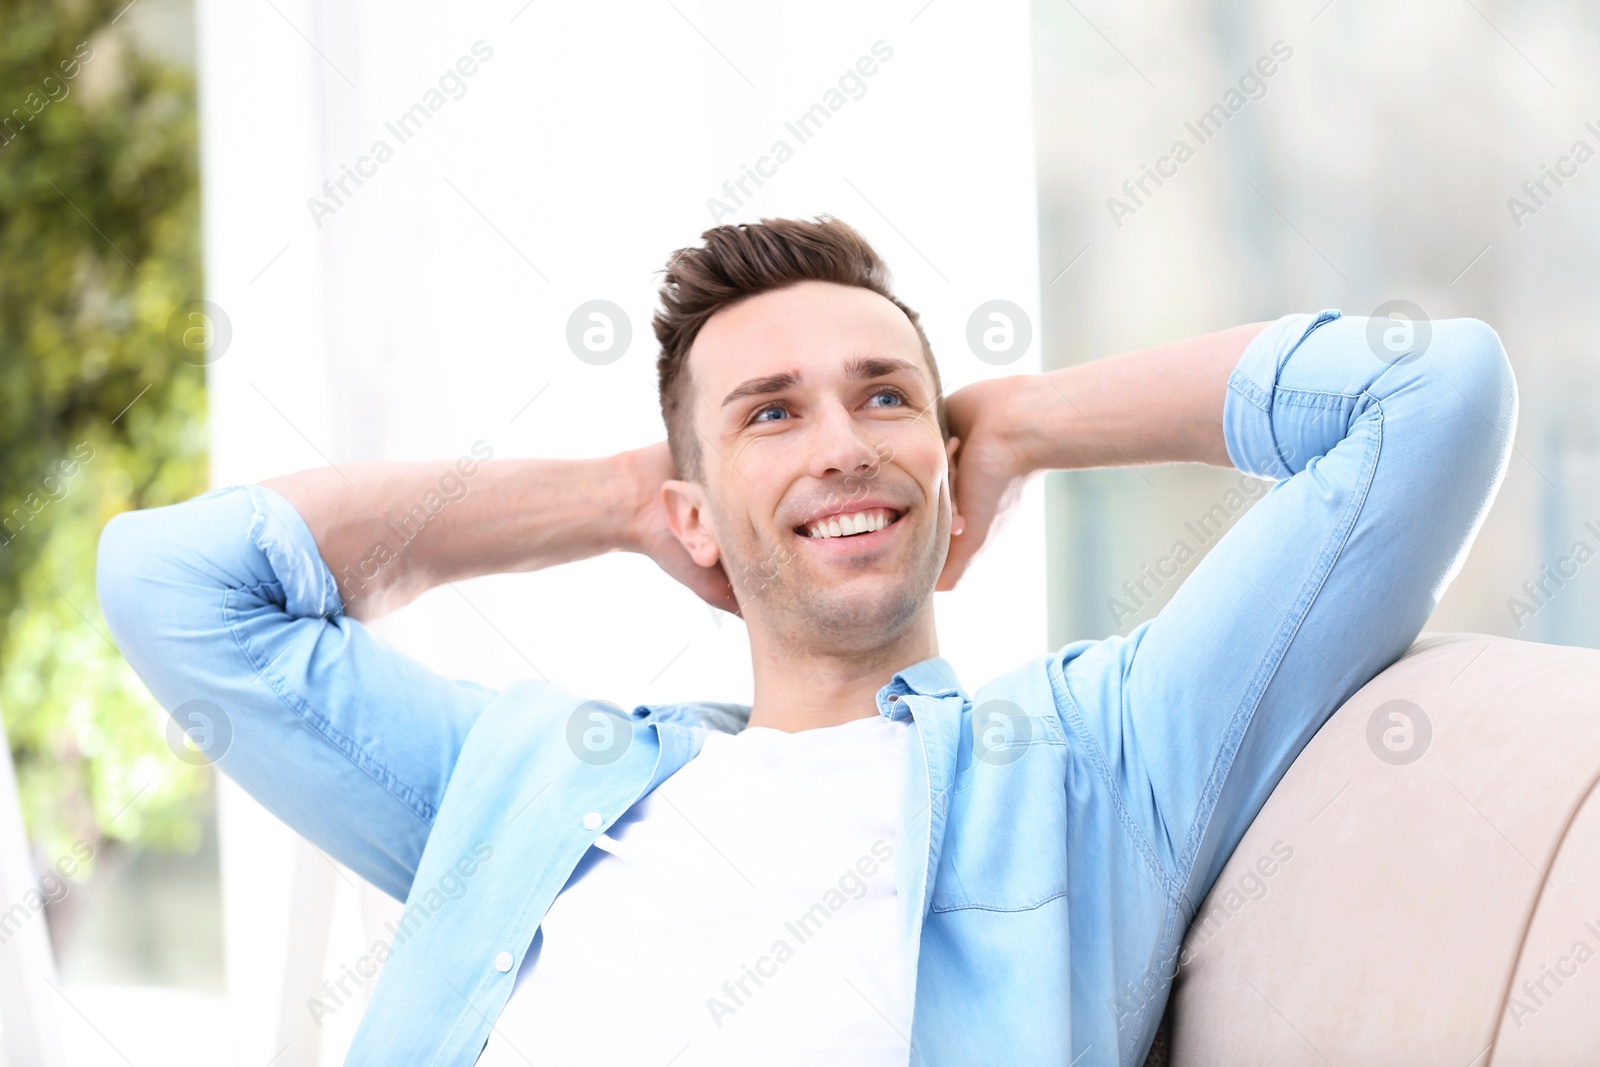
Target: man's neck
x: 803, y: 687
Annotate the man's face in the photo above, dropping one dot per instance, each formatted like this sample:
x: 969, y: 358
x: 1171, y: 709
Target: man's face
x: 815, y: 415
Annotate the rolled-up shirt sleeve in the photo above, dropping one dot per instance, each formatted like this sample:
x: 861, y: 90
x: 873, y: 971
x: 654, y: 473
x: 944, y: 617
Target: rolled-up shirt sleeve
x: 224, y: 606
x: 1255, y: 444
x: 1382, y: 471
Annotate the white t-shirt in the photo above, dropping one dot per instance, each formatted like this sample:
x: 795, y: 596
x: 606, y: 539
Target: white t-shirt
x: 744, y: 912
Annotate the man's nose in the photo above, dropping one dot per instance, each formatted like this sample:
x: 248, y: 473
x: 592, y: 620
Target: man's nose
x: 840, y: 446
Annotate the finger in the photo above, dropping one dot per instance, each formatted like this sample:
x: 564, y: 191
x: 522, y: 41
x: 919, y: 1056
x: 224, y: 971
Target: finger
x: 714, y: 588
x: 949, y: 576
x: 955, y: 565
x: 962, y: 550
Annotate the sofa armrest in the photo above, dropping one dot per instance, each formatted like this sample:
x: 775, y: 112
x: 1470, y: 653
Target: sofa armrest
x: 1435, y: 847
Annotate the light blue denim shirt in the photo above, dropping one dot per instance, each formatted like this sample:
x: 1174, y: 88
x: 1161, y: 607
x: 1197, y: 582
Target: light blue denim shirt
x: 1060, y: 824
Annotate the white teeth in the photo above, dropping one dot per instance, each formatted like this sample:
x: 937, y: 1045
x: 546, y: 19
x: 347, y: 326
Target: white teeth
x: 869, y: 521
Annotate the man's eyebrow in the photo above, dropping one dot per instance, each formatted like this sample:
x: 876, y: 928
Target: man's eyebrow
x: 772, y: 383
x: 862, y: 368
x: 865, y: 368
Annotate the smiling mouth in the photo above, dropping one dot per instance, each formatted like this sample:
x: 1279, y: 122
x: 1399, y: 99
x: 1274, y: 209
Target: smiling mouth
x: 850, y: 524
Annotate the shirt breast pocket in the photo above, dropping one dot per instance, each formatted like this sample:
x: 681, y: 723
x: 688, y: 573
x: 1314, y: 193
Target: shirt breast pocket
x: 1006, y: 836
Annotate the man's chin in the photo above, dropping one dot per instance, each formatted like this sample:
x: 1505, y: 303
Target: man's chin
x: 836, y: 599
x: 863, y: 609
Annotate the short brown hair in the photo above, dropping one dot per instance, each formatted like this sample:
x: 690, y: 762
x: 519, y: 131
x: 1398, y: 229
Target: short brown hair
x: 745, y: 260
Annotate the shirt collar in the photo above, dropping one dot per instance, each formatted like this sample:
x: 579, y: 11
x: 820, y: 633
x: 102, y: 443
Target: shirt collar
x: 933, y: 677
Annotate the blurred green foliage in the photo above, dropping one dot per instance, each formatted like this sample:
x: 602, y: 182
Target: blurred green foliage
x: 99, y: 242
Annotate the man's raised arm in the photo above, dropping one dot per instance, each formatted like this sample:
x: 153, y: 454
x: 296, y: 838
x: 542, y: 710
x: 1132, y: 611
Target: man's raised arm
x: 1384, y: 464
x: 231, y: 608
x: 1159, y: 405
x: 391, y: 531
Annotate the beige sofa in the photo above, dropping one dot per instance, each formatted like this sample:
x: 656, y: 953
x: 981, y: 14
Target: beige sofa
x: 1421, y: 888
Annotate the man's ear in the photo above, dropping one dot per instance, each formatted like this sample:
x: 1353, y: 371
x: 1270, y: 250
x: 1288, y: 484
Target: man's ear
x: 689, y: 520
x: 958, y: 521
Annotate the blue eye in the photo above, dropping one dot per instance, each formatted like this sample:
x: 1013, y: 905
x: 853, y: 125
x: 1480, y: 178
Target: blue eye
x: 770, y: 409
x: 897, y: 395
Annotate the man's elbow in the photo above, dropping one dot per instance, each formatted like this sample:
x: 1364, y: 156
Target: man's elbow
x: 122, y: 553
x: 1461, y: 433
x: 1477, y: 385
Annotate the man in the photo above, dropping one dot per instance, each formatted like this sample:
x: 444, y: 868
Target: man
x: 870, y: 864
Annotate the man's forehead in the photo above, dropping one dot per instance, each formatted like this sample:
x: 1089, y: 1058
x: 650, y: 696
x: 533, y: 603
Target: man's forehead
x: 814, y: 326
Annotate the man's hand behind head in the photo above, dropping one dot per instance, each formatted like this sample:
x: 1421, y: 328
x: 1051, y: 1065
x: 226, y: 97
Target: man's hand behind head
x: 654, y: 538
x: 990, y: 469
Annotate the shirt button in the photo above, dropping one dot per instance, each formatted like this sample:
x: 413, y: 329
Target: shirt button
x: 502, y: 962
x: 592, y: 821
